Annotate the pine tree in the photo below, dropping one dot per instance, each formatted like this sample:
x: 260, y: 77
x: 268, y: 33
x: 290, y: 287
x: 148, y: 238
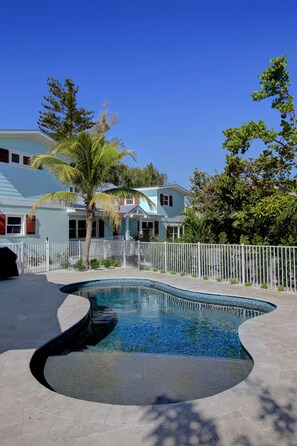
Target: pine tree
x: 61, y: 117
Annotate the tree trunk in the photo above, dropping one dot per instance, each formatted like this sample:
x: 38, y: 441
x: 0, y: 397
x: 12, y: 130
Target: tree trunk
x: 89, y: 226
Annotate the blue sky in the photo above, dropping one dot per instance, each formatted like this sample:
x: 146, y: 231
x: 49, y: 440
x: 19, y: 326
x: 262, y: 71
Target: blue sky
x: 176, y: 72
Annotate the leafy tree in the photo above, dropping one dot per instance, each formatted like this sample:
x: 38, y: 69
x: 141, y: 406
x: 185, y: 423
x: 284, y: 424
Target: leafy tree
x: 136, y: 177
x: 83, y: 161
x: 251, y: 200
x: 62, y: 118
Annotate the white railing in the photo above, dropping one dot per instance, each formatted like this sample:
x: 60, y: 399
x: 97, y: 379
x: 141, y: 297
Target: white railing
x: 270, y: 266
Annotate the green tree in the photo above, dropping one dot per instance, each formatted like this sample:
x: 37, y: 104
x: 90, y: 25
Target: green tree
x: 61, y: 117
x: 83, y: 161
x: 136, y: 176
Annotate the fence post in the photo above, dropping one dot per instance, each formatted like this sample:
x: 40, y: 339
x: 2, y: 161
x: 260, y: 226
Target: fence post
x: 104, y: 249
x: 47, y: 256
x: 124, y: 253
x: 199, y: 259
x: 165, y: 256
x: 138, y: 254
x: 22, y: 258
x: 79, y: 249
x: 242, y: 264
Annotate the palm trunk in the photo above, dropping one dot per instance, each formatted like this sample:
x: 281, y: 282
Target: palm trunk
x: 89, y: 226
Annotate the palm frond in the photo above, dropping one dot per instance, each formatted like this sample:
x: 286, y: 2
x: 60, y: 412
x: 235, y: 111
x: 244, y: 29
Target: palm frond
x: 109, y: 206
x: 64, y: 172
x: 64, y: 198
x: 128, y: 192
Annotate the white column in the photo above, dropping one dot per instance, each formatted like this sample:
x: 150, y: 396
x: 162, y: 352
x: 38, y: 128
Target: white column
x: 140, y: 226
x: 127, y: 235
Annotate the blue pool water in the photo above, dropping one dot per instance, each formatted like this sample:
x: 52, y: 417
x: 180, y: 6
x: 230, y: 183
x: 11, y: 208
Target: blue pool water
x: 145, y: 342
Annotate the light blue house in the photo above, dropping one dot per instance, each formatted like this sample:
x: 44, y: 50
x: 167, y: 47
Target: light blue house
x: 20, y: 187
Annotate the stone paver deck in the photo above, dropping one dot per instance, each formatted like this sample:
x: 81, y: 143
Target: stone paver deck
x: 260, y: 411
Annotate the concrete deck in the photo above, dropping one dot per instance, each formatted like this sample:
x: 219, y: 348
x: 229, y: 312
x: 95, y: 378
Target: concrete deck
x: 260, y: 411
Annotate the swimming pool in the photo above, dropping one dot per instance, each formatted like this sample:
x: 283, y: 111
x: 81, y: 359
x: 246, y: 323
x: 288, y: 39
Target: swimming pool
x: 145, y: 342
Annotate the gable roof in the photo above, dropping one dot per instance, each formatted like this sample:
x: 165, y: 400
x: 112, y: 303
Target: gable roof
x: 36, y: 134
x: 166, y: 186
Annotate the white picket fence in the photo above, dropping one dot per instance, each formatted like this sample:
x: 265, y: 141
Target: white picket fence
x: 271, y: 265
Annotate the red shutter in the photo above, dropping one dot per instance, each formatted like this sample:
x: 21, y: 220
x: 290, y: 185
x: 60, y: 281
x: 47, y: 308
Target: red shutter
x: 156, y: 228
x: 161, y: 199
x: 168, y: 232
x: 30, y: 225
x: 170, y: 200
x: 2, y: 224
x: 137, y: 200
x: 122, y: 200
x: 180, y: 231
x: 101, y: 228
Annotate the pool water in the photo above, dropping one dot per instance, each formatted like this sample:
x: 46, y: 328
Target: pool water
x: 145, y: 342
x: 152, y: 321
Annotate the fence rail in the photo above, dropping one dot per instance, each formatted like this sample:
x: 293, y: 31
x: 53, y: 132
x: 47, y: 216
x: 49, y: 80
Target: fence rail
x: 273, y: 266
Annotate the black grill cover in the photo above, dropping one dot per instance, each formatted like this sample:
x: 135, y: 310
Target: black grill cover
x: 8, y: 266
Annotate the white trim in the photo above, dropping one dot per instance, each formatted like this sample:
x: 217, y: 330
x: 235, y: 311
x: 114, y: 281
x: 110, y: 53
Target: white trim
x: 37, y: 134
x: 22, y: 225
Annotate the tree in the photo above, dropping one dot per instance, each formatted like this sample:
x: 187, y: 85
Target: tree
x: 252, y: 198
x: 136, y: 176
x: 83, y: 161
x: 61, y: 117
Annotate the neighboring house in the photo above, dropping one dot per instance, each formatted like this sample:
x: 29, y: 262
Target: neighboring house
x: 20, y: 188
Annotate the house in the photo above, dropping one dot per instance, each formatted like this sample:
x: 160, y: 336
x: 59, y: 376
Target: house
x: 21, y: 186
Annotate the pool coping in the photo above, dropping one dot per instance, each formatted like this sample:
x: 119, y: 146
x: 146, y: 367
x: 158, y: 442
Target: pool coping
x: 270, y: 339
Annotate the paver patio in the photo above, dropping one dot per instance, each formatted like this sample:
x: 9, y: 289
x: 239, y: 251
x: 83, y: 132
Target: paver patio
x: 260, y: 411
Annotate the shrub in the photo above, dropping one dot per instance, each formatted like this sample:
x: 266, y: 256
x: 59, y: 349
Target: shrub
x: 162, y: 271
x: 65, y: 264
x: 94, y: 264
x: 79, y: 265
x: 146, y: 268
x: 205, y: 277
x: 264, y: 286
x: 219, y: 279
x: 155, y: 270
x: 182, y: 273
x: 107, y: 262
x: 115, y: 262
x: 194, y: 275
x: 233, y: 281
x: 280, y: 288
x: 173, y: 272
x: 248, y: 284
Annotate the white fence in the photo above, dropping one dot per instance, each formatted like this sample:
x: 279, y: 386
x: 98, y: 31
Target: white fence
x: 271, y: 265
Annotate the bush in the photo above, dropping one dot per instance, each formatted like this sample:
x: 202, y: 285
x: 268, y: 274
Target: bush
x: 280, y: 288
x: 233, y: 281
x: 146, y: 268
x: 264, y: 286
x: 182, y: 273
x: 65, y: 264
x: 248, y: 284
x: 115, y: 262
x: 219, y: 279
x: 79, y: 265
x: 173, y: 272
x: 205, y: 277
x: 110, y: 262
x: 94, y: 263
x: 155, y: 270
x: 162, y: 271
x: 194, y: 275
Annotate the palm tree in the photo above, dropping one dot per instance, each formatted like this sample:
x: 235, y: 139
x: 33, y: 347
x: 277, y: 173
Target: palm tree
x: 83, y: 163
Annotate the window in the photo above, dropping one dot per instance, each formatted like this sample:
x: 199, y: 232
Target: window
x: 15, y: 158
x: 26, y: 160
x: 72, y: 228
x: 15, y: 225
x: 73, y: 189
x: 148, y: 226
x: 165, y: 200
x: 4, y: 156
x: 129, y: 200
x: 77, y: 229
x: 172, y: 232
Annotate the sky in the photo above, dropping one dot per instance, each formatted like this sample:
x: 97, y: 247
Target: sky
x: 177, y: 72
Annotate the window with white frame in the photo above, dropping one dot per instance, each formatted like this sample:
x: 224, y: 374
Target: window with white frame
x: 16, y: 158
x: 15, y: 225
x: 129, y: 200
x: 173, y: 232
